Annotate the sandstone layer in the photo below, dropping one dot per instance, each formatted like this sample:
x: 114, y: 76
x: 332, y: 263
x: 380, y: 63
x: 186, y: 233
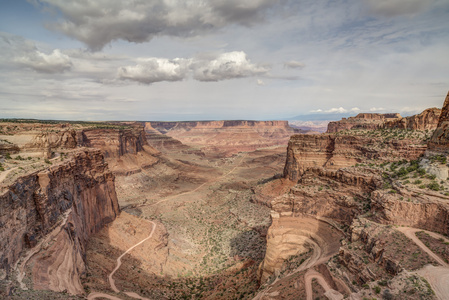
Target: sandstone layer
x: 362, y: 121
x: 227, y: 137
x: 334, y: 152
x: 427, y: 120
x: 440, y: 139
x: 68, y: 202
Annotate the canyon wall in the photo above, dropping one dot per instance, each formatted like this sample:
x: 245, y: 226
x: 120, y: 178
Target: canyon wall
x: 56, y: 209
x: 439, y: 141
x: 126, y: 150
x: 334, y: 152
x: 368, y: 121
x: 427, y: 120
x: 227, y: 137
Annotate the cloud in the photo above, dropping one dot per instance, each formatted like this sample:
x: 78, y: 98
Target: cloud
x: 260, y: 82
x: 293, y: 64
x: 155, y: 70
x: 391, y: 8
x: 19, y: 51
x: 374, y: 109
x: 219, y: 67
x: 339, y: 110
x: 226, y: 66
x: 98, y: 22
x: 56, y: 62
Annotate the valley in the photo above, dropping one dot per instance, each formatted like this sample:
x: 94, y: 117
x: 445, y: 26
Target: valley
x: 226, y: 209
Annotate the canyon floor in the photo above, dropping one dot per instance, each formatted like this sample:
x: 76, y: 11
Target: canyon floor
x: 210, y: 235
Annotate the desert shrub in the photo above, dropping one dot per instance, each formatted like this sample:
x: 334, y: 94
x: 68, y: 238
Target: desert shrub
x: 421, y: 171
x: 434, y: 186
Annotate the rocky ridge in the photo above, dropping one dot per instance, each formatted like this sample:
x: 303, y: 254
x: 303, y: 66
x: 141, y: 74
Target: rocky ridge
x: 427, y: 120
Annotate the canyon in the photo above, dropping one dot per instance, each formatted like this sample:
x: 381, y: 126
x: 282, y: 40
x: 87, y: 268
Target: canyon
x: 225, y: 209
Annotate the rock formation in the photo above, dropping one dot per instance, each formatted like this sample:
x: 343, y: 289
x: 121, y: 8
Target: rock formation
x: 126, y: 150
x: 427, y: 120
x: 368, y: 121
x: 334, y: 152
x: 227, y: 137
x: 360, y: 182
x: 56, y: 209
x: 440, y: 139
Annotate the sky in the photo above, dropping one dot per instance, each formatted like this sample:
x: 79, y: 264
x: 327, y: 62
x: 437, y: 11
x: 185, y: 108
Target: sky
x: 221, y: 59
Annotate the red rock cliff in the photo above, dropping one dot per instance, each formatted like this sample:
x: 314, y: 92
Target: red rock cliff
x: 440, y: 139
x: 333, y: 152
x: 56, y: 209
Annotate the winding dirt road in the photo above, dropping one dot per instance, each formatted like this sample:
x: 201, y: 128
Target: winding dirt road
x: 95, y: 295
x: 438, y: 277
x: 330, y: 293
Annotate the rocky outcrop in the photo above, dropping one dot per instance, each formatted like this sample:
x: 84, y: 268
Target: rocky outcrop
x: 334, y: 152
x: 126, y: 150
x: 427, y: 120
x: 412, y: 208
x: 65, y: 139
x: 368, y: 121
x: 8, y: 148
x: 227, y: 137
x: 56, y: 209
x: 439, y: 141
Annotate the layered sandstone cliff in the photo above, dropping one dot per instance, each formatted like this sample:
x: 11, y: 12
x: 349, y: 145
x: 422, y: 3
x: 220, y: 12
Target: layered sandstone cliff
x: 57, y: 210
x: 126, y: 150
x: 440, y: 139
x: 368, y: 121
x: 227, y: 137
x: 427, y: 120
x: 334, y: 152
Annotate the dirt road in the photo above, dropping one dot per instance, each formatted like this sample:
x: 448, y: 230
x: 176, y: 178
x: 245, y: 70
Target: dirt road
x: 331, y: 294
x: 438, y: 277
x: 95, y: 295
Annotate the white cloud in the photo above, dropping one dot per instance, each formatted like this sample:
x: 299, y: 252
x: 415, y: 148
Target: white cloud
x: 16, y: 50
x: 374, y: 109
x: 98, y: 22
x: 293, y: 64
x: 260, y: 82
x: 155, y: 70
x: 56, y: 62
x: 220, y: 67
x: 337, y: 110
x: 226, y: 66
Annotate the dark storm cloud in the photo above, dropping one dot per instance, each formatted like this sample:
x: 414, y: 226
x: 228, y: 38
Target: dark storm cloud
x: 98, y: 22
